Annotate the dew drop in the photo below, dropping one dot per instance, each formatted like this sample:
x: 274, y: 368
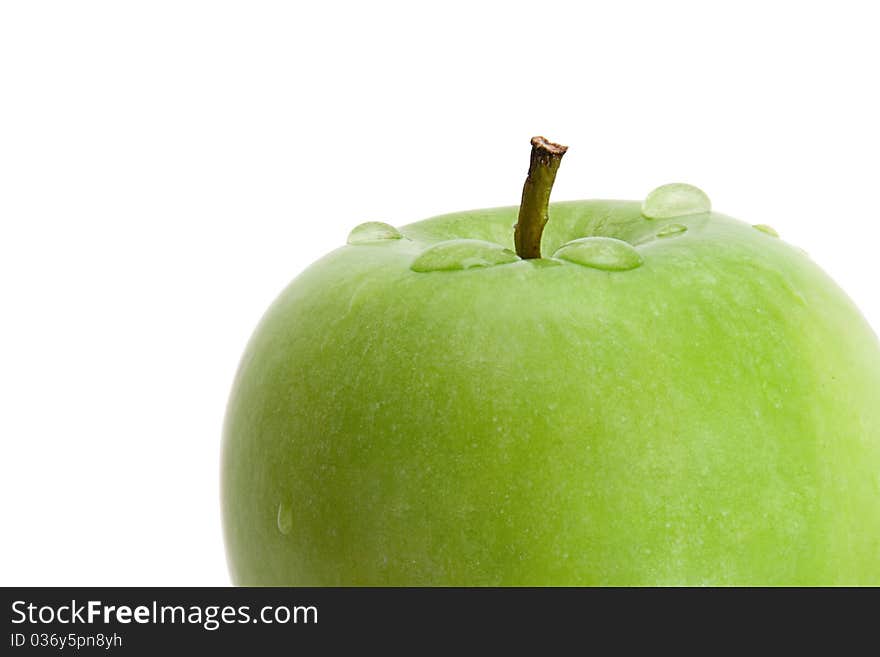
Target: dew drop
x: 671, y: 230
x: 675, y: 200
x: 373, y: 231
x: 284, y: 518
x: 764, y: 228
x: 456, y: 255
x: 604, y: 253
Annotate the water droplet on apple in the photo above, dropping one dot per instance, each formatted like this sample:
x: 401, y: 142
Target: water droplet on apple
x: 284, y: 519
x: 604, y: 253
x: 373, y: 231
x: 671, y: 230
x: 675, y: 200
x: 764, y: 228
x: 456, y: 255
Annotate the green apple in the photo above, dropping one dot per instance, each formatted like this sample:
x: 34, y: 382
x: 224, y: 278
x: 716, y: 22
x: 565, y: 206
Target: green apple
x: 668, y: 396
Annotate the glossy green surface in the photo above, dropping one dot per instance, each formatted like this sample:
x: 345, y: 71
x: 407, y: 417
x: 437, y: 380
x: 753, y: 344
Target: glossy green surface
x: 709, y: 416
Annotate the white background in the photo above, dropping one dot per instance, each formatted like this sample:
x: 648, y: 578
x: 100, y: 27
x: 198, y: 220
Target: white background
x: 167, y: 167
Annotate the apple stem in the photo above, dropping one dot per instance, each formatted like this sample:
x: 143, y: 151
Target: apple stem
x: 534, y: 207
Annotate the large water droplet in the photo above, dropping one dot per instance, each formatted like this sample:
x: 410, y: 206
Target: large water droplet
x: 604, y: 253
x: 463, y: 254
x: 284, y: 519
x: 764, y: 228
x: 373, y: 231
x: 675, y: 200
x: 671, y: 230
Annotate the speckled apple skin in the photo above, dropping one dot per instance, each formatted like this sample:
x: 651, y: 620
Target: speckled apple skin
x: 709, y: 417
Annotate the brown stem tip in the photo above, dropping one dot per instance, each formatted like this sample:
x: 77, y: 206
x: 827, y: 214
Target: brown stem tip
x: 544, y: 144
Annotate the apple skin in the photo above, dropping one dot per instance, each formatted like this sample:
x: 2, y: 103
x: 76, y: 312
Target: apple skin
x: 711, y: 417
